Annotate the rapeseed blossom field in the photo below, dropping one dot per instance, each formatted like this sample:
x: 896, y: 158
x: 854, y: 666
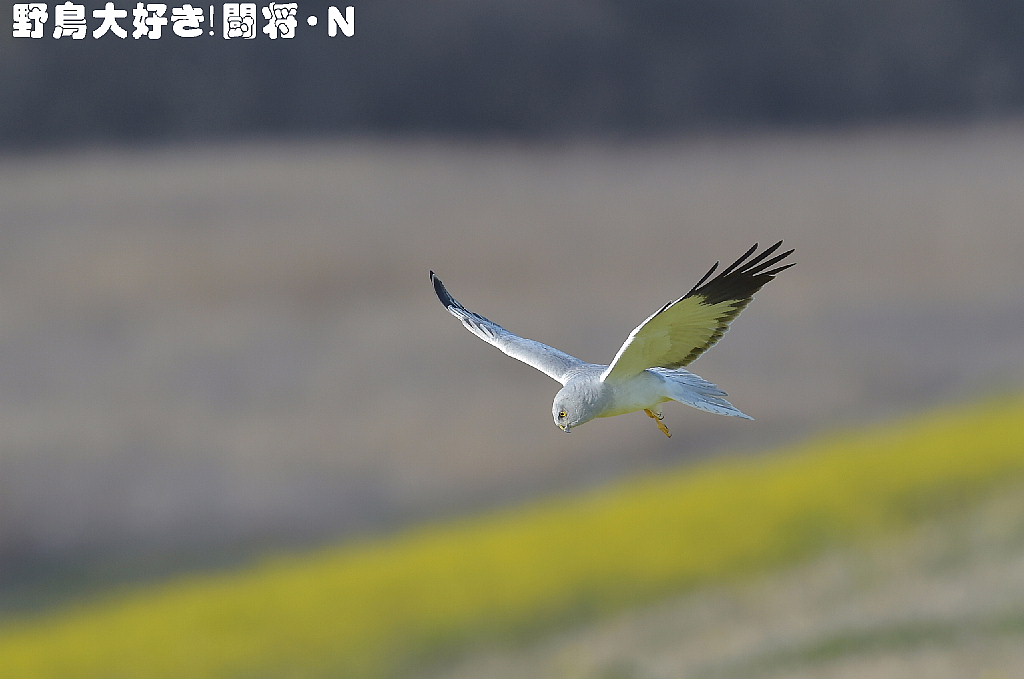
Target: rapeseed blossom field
x: 391, y: 605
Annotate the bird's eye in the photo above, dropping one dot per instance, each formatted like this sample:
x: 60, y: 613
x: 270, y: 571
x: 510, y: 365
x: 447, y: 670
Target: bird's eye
x: 562, y: 414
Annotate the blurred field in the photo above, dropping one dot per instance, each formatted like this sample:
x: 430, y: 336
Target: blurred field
x: 941, y: 599
x: 210, y: 352
x: 393, y: 606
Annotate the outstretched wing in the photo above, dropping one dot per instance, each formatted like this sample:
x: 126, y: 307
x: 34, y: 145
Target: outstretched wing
x: 682, y: 330
x: 548, y: 360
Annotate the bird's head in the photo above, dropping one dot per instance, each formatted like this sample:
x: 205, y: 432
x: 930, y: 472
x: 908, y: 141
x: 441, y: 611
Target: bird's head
x: 573, y: 406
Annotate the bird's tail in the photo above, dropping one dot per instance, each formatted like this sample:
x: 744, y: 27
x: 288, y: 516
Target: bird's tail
x: 695, y: 391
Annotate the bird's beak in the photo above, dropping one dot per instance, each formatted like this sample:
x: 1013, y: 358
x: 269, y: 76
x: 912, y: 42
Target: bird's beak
x: 566, y: 428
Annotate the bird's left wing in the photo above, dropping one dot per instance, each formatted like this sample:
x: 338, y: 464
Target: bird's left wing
x: 682, y: 330
x: 550, y: 361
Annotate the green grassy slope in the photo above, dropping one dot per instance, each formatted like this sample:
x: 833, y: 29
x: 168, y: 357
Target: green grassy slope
x: 381, y: 607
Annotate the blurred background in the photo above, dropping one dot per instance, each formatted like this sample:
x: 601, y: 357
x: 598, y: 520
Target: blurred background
x: 218, y: 341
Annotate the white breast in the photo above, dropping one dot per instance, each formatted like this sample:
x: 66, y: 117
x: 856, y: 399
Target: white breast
x: 645, y: 390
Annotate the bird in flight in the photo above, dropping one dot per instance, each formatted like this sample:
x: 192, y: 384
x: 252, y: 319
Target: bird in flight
x: 648, y: 368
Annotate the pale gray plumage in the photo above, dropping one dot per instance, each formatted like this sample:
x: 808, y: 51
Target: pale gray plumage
x: 648, y: 368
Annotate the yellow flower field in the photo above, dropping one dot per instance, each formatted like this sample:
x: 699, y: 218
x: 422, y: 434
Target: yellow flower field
x: 387, y: 606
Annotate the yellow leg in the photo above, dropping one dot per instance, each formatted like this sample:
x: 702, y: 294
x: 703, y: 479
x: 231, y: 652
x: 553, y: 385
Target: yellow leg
x: 658, y: 420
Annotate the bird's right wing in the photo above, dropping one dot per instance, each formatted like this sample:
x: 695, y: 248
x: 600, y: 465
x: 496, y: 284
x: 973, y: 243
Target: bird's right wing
x: 550, y: 361
x: 682, y: 330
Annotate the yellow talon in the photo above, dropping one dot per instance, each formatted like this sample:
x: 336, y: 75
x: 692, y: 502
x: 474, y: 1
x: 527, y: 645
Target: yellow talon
x: 658, y: 420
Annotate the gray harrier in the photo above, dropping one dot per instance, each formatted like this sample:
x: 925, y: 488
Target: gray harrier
x: 648, y: 368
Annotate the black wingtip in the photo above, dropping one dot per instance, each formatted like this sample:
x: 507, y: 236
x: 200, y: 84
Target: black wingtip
x: 705, y: 277
x: 732, y: 267
x: 442, y: 292
x: 741, y: 279
x: 775, y: 272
